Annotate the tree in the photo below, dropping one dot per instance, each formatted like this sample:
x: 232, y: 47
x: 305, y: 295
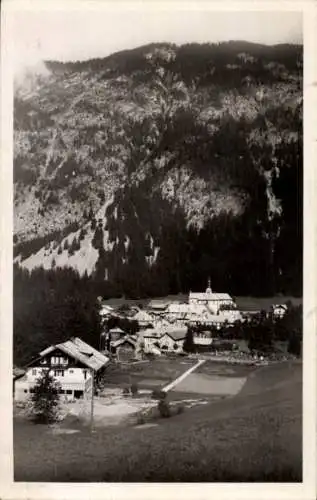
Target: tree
x: 45, y: 399
x: 189, y: 345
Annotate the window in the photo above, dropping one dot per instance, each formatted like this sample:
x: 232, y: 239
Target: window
x: 34, y: 371
x: 32, y: 391
x: 68, y: 391
x: 25, y: 390
x: 85, y: 374
x: 43, y: 361
x: 58, y: 373
x: 71, y: 371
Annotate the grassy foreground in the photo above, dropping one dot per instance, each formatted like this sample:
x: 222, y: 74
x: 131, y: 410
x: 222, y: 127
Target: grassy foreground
x: 255, y: 436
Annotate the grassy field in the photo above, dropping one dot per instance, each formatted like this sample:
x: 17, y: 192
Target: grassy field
x: 254, y: 436
x: 151, y: 374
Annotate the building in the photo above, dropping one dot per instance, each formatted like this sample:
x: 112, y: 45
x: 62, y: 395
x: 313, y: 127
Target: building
x: 214, y: 301
x: 72, y: 363
x: 124, y: 349
x: 279, y: 310
x: 168, y: 339
x: 116, y: 333
x: 173, y: 340
x: 143, y: 318
x: 157, y: 307
x: 202, y: 338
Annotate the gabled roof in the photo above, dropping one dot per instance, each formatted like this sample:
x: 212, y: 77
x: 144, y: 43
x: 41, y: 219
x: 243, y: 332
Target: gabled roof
x: 279, y: 306
x: 177, y: 334
x: 119, y: 342
x: 143, y: 316
x: 81, y: 351
x: 18, y: 372
x: 209, y: 296
x: 117, y: 330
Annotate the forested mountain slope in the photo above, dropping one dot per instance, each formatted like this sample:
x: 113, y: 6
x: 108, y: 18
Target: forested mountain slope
x: 156, y: 167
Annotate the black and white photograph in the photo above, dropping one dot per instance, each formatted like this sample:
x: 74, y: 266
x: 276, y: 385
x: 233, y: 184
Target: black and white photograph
x: 157, y: 245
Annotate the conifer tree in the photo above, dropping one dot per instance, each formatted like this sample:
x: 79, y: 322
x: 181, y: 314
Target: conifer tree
x: 45, y: 399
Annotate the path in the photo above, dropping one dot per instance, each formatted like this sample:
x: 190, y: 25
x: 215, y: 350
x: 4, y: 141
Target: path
x: 183, y: 376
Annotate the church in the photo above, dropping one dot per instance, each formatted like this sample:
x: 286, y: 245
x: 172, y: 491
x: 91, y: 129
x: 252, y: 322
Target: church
x: 214, y: 301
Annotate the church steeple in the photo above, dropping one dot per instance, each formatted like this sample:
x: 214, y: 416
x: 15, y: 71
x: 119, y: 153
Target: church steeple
x: 208, y: 290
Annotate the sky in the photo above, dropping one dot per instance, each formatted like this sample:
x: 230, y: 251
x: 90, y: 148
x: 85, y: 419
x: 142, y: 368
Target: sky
x: 80, y: 35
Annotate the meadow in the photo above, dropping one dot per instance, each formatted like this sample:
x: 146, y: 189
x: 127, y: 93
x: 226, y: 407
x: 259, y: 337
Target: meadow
x: 253, y: 436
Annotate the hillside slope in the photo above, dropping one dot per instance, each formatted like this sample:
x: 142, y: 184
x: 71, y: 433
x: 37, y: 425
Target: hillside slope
x: 246, y: 438
x: 153, y: 167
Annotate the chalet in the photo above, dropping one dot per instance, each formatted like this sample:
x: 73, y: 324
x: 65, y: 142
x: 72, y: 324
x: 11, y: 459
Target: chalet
x: 72, y: 363
x: 163, y: 340
x: 214, y: 301
x: 202, y: 338
x: 116, y: 333
x: 143, y: 318
x: 279, y: 310
x: 106, y: 311
x: 124, y: 349
x: 157, y: 307
x: 172, y: 340
x: 211, y: 320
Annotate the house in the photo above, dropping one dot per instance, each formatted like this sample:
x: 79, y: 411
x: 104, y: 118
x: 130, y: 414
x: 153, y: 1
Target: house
x: 231, y: 315
x: 116, y: 333
x: 279, y: 310
x: 72, y: 363
x: 124, y: 348
x: 157, y: 307
x: 106, y: 311
x: 202, y: 338
x: 172, y: 340
x: 163, y: 340
x: 214, y: 301
x: 211, y: 320
x: 143, y: 318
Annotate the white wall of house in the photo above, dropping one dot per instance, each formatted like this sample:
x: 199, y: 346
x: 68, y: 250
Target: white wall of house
x: 70, y: 379
x: 202, y: 340
x: 171, y: 344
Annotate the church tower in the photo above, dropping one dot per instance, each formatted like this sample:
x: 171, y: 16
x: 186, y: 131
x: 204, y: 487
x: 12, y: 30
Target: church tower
x: 208, y: 289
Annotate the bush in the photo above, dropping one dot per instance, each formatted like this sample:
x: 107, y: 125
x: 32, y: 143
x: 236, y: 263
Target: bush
x: 158, y: 394
x: 140, y: 419
x: 164, y: 408
x: 125, y: 391
x: 134, y: 389
x: 180, y: 409
x: 45, y: 399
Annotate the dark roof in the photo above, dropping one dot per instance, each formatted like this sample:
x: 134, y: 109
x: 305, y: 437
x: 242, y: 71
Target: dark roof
x: 80, y: 350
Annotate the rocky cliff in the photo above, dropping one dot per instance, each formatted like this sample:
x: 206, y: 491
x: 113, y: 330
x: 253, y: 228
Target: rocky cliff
x: 154, y: 167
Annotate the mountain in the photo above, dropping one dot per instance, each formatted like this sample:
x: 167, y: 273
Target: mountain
x: 154, y: 168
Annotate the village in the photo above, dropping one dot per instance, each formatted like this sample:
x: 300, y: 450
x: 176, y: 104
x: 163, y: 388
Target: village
x: 142, y: 350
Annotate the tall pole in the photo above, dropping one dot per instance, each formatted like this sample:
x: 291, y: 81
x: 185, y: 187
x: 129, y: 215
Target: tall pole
x: 92, y: 401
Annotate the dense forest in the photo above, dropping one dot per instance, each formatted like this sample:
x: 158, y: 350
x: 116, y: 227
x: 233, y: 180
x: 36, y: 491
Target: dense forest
x: 50, y: 307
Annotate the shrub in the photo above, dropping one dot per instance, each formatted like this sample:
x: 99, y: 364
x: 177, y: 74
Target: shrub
x: 158, y: 394
x: 164, y: 408
x: 180, y: 409
x: 134, y: 389
x: 140, y: 419
x: 125, y: 391
x: 45, y: 399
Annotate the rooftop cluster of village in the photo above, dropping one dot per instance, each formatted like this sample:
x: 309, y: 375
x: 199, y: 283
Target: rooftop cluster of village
x: 163, y: 325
